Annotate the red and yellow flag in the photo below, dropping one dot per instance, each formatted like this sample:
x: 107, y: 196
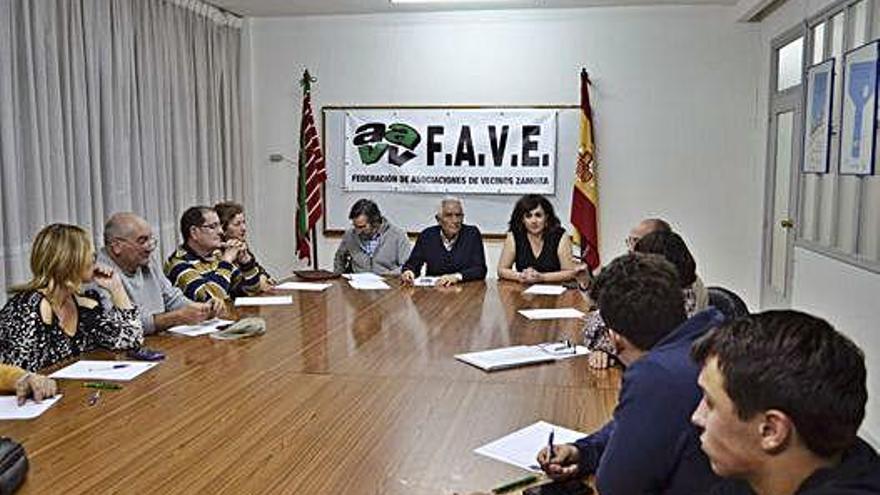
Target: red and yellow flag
x: 585, y: 194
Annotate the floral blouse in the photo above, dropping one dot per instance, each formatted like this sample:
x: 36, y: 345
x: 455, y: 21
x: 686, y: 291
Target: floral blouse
x: 597, y: 338
x: 30, y: 343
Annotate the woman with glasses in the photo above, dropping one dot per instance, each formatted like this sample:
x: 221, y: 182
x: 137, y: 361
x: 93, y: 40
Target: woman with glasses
x: 50, y: 318
x: 536, y: 249
x: 235, y: 227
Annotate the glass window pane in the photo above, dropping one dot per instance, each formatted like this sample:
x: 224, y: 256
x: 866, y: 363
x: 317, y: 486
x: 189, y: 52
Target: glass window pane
x: 837, y: 27
x: 790, y: 64
x: 779, y: 242
x: 860, y: 21
x: 819, y: 43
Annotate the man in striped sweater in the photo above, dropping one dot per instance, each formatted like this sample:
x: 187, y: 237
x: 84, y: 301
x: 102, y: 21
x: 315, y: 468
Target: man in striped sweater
x: 204, y: 267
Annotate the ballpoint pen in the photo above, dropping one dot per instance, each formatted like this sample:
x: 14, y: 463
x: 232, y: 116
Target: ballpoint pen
x: 107, y: 368
x: 550, y: 445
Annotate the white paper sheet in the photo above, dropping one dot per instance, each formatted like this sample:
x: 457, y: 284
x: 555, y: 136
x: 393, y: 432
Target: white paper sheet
x: 521, y: 447
x: 309, y: 286
x: 263, y: 301
x: 9, y: 408
x: 369, y: 284
x: 425, y: 281
x: 545, y: 290
x: 363, y: 277
x: 551, y: 314
x: 103, y: 370
x: 520, y: 355
x: 203, y: 328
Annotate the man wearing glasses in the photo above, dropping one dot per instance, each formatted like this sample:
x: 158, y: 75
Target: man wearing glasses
x: 128, y: 247
x: 204, y: 267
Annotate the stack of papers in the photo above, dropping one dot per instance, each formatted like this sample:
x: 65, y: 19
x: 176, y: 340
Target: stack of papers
x: 521, y: 447
x: 9, y: 408
x: 366, y: 281
x: 310, y: 286
x: 551, y: 314
x: 263, y: 301
x: 203, y: 328
x: 103, y: 370
x: 521, y: 355
x: 546, y: 290
x: 425, y: 281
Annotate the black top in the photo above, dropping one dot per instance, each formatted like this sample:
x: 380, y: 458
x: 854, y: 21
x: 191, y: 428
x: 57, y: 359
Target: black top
x: 547, y: 261
x: 466, y: 256
x: 28, y: 342
x: 857, y: 474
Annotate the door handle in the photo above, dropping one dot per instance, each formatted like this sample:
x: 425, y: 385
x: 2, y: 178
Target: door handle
x: 786, y: 223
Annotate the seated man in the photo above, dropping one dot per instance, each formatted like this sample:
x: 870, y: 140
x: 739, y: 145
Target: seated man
x: 204, y: 267
x: 649, y: 446
x: 372, y: 244
x: 128, y: 246
x: 453, y: 251
x: 644, y: 228
x: 783, y: 398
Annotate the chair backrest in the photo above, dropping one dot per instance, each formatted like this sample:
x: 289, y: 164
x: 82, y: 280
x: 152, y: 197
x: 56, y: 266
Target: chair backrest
x: 727, y: 302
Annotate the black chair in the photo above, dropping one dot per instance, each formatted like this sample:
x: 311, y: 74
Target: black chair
x: 726, y: 301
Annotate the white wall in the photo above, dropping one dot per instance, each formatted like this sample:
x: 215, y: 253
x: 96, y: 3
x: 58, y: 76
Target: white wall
x: 844, y: 295
x: 674, y: 96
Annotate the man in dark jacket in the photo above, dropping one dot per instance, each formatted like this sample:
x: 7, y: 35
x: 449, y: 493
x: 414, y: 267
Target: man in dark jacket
x: 452, y: 251
x: 649, y: 446
x: 784, y: 395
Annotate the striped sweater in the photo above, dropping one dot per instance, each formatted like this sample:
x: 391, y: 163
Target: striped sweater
x: 203, y: 279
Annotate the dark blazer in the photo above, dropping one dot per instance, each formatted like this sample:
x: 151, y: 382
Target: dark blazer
x: 466, y: 257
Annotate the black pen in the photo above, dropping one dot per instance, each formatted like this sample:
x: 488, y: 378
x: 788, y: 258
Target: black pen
x: 550, y: 446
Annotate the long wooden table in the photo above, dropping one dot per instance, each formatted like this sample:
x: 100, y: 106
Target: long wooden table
x: 348, y: 392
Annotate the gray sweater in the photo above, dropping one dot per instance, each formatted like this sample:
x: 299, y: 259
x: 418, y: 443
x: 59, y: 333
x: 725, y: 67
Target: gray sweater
x: 391, y: 252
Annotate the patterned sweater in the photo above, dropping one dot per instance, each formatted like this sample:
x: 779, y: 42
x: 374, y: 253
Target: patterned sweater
x: 203, y: 279
x: 29, y: 342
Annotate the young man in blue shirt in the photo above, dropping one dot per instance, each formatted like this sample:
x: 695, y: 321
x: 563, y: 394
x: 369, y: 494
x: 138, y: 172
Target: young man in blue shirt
x: 784, y: 396
x: 649, y: 446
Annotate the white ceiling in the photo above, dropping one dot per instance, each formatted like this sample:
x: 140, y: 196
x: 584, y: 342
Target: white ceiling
x: 270, y: 8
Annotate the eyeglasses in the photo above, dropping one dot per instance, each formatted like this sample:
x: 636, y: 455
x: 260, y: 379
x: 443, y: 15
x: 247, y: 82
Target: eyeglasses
x: 631, y: 241
x: 210, y: 226
x: 140, y: 241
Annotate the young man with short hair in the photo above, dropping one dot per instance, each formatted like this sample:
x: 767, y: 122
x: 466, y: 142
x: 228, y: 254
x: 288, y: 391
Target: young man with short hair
x: 784, y: 396
x: 649, y: 446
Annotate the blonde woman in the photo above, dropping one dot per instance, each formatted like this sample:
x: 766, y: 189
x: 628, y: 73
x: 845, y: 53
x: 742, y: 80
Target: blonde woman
x: 50, y: 319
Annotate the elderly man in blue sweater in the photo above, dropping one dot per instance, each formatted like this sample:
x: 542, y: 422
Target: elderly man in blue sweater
x: 649, y: 446
x: 452, y: 250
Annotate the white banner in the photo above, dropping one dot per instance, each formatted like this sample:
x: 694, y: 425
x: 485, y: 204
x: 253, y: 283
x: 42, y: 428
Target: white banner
x: 486, y: 151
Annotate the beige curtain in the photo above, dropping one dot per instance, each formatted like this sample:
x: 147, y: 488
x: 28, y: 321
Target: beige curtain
x: 109, y: 105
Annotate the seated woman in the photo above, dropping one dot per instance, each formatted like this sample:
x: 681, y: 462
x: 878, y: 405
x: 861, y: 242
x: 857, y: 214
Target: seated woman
x: 536, y: 248
x: 673, y: 248
x: 235, y: 227
x: 25, y: 384
x: 50, y: 319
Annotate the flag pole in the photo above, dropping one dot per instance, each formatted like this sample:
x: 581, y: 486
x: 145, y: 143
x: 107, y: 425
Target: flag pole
x: 314, y: 249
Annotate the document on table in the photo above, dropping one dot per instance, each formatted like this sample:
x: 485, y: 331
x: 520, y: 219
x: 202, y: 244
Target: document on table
x: 103, y: 370
x: 521, y: 447
x: 9, y: 408
x: 360, y: 284
x: 363, y: 277
x: 263, y: 301
x: 545, y: 290
x: 425, y: 281
x: 521, y: 355
x: 551, y: 314
x: 203, y: 328
x: 309, y: 286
